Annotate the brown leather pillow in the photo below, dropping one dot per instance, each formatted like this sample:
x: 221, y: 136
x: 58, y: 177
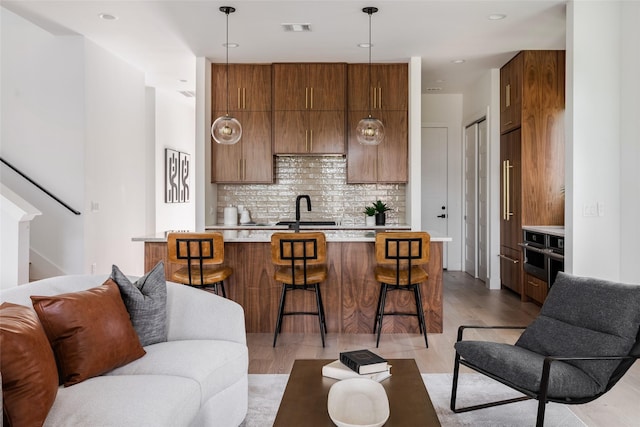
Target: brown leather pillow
x: 29, y: 374
x: 90, y: 331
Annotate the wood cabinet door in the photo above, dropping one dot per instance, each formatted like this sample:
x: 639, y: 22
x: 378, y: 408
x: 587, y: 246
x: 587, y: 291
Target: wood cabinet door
x: 326, y: 132
x: 226, y: 160
x: 511, y: 269
x: 328, y: 87
x: 290, y: 87
x: 394, y: 149
x: 360, y: 93
x: 362, y: 160
x: 511, y: 87
x: 510, y: 190
x: 251, y: 87
x: 257, y: 154
x: 392, y: 81
x: 290, y: 132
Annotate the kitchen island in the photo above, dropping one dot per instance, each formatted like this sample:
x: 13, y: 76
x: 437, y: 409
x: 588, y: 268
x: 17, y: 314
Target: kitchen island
x: 350, y: 294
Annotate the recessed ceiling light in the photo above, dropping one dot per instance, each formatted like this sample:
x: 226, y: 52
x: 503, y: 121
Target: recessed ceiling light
x: 440, y: 81
x: 458, y: 61
x: 182, y: 80
x: 496, y: 16
x: 107, y: 17
x: 365, y: 45
x: 230, y: 45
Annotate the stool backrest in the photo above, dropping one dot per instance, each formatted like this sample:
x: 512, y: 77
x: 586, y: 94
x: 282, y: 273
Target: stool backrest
x: 402, y: 248
x: 298, y: 249
x: 200, y: 248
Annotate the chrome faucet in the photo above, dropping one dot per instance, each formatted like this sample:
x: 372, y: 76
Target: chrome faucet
x: 296, y: 227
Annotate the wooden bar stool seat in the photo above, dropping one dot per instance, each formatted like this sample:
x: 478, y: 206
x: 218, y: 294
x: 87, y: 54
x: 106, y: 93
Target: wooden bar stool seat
x: 201, y: 255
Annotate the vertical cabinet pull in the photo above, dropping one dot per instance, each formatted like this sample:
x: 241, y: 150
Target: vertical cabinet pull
x: 311, y: 103
x: 506, y: 189
x: 242, y: 98
x: 380, y: 98
x: 507, y: 95
x: 311, y: 140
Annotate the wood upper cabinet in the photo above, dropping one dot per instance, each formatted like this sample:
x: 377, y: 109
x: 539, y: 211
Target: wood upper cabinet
x: 531, y: 151
x: 309, y: 108
x: 318, y: 87
x: 249, y: 87
x: 251, y: 159
x: 511, y: 94
x: 387, y: 162
x: 389, y: 89
x: 389, y: 93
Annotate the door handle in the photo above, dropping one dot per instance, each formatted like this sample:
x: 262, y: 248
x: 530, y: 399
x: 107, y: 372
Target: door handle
x: 442, y: 216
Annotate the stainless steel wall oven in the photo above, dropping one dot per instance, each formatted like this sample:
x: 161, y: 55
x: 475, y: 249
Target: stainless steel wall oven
x: 543, y: 255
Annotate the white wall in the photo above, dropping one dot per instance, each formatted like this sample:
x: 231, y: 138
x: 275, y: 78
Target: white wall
x: 73, y: 118
x: 446, y: 110
x: 42, y: 128
x: 594, y: 144
x: 630, y: 144
x: 175, y: 129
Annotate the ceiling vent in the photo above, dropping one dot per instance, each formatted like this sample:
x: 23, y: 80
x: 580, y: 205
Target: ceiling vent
x: 188, y: 93
x: 297, y: 28
x: 433, y: 89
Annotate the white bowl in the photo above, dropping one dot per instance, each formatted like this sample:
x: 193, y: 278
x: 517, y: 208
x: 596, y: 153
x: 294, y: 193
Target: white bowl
x: 358, y: 402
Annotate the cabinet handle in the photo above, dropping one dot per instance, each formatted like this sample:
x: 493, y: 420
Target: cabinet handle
x: 504, y: 190
x: 311, y: 103
x: 513, y: 261
x: 508, y: 123
x: 507, y: 95
x: 306, y: 140
x: 372, y: 96
x: 380, y: 98
x: 306, y: 98
x: 533, y: 284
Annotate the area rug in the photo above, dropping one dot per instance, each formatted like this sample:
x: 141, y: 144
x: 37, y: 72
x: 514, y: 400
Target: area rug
x: 265, y: 393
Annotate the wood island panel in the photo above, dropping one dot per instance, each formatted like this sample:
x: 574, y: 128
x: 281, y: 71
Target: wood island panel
x: 350, y: 293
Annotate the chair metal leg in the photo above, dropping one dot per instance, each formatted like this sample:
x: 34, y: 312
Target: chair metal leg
x: 421, y: 319
x: 381, y: 312
x: 454, y: 384
x: 280, y: 313
x: 320, y: 311
x: 224, y: 294
x: 375, y: 323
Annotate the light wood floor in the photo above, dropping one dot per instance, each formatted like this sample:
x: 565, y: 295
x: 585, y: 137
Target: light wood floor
x: 466, y: 301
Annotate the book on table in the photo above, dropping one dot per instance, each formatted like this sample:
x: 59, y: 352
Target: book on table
x: 339, y: 371
x: 363, y: 361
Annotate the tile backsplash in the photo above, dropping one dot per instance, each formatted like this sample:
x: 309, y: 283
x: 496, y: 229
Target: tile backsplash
x: 324, y: 179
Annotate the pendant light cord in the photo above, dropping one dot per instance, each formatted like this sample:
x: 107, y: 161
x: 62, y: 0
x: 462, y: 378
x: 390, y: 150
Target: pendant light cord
x: 227, y: 47
x: 370, y: 85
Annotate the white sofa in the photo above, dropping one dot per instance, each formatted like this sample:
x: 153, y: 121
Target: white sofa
x: 197, y: 378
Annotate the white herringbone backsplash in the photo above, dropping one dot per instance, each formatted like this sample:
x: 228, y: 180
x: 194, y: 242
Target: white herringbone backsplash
x: 324, y: 179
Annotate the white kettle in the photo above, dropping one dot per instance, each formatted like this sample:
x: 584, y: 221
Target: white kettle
x: 245, y: 218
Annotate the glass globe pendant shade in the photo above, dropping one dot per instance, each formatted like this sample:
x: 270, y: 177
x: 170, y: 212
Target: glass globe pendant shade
x: 370, y: 131
x: 226, y: 130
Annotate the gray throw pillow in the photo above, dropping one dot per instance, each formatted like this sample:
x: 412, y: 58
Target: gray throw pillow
x: 146, y: 302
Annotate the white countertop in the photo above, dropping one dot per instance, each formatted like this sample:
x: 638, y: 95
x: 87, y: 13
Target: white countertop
x: 554, y: 230
x: 263, y: 234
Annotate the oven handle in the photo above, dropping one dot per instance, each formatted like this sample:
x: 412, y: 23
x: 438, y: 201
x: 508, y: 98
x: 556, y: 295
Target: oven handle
x: 555, y: 256
x: 533, y: 248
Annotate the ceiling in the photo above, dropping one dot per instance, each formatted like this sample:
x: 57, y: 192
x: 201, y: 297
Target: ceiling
x: 163, y: 38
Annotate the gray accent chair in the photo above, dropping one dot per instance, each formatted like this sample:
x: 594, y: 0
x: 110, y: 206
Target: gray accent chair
x: 584, y: 340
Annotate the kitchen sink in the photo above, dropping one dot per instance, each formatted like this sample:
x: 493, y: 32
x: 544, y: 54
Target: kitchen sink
x: 292, y: 223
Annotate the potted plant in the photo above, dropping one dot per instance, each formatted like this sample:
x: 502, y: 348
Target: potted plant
x: 369, y: 219
x: 380, y: 209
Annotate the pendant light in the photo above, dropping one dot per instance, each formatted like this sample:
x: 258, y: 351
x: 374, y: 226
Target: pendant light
x: 226, y: 129
x: 370, y: 131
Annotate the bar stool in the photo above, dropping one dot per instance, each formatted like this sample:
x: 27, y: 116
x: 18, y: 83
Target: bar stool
x: 399, y: 256
x: 300, y: 260
x: 201, y: 254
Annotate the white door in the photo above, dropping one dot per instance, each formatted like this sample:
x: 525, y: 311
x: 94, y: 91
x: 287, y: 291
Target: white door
x: 470, y: 145
x: 435, y: 142
x: 483, y: 202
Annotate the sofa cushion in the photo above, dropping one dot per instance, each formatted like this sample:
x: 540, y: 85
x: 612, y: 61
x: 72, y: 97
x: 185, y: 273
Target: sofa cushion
x: 90, y: 331
x: 586, y: 317
x: 215, y: 365
x: 29, y: 374
x: 127, y: 401
x: 146, y: 302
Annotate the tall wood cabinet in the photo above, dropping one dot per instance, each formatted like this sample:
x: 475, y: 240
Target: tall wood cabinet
x: 251, y: 159
x: 309, y: 102
x: 532, y: 87
x: 387, y: 97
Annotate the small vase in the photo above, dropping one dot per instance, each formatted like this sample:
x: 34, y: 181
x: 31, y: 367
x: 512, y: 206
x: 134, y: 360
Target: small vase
x: 381, y: 218
x: 369, y: 221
